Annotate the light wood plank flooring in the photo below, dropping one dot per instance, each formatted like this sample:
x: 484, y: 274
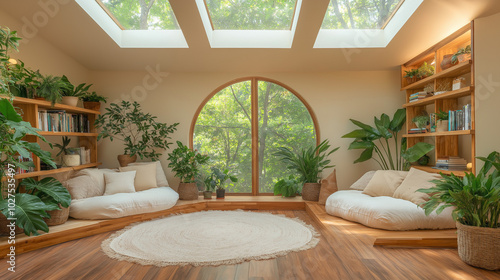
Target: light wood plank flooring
x: 345, y: 251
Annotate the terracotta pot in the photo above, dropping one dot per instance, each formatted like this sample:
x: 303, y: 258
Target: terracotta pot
x: 188, y: 191
x: 220, y: 193
x: 124, y: 160
x: 310, y: 191
x: 70, y: 100
x: 479, y: 246
x: 442, y: 126
x: 207, y: 195
x: 4, y: 230
x: 446, y: 62
x: 92, y: 105
x: 57, y: 217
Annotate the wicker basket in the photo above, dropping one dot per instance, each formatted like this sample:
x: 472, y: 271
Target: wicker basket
x: 4, y: 230
x: 96, y: 106
x: 479, y: 246
x: 310, y: 191
x: 188, y: 191
x: 124, y: 160
x: 57, y: 217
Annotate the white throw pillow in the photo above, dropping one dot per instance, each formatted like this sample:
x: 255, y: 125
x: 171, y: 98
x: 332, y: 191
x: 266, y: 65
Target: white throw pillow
x: 416, y: 179
x: 119, y: 182
x: 362, y: 182
x: 385, y: 182
x: 97, y: 175
x: 161, y: 179
x: 145, y: 178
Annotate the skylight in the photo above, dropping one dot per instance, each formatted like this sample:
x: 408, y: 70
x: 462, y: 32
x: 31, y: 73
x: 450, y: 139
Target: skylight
x: 141, y: 14
x: 251, y: 14
x: 359, y: 14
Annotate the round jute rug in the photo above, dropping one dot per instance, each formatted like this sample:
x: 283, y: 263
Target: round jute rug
x: 210, y: 238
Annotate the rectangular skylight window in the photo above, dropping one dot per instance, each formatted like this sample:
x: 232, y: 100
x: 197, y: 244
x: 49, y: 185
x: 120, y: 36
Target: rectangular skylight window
x: 141, y: 14
x: 251, y: 14
x: 359, y: 14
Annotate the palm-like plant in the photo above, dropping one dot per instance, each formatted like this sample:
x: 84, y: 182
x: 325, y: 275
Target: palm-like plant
x: 308, y: 163
x: 52, y: 88
x: 376, y: 139
x: 476, y: 197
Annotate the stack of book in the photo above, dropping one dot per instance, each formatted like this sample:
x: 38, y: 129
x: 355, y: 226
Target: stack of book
x: 60, y: 121
x: 451, y: 163
x: 418, y: 96
x: 417, y: 130
x: 460, y: 119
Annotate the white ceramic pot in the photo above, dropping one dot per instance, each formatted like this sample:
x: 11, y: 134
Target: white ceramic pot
x: 70, y: 100
x: 71, y: 160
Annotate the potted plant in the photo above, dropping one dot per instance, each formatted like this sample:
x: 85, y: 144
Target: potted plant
x: 186, y: 163
x: 421, y: 122
x: 8, y: 41
x: 461, y: 55
x: 12, y: 130
x: 71, y: 94
x: 92, y: 101
x: 287, y: 187
x: 425, y: 70
x: 308, y: 163
x: 52, y: 88
x: 476, y: 199
x: 220, y: 177
x: 411, y: 76
x: 442, y: 121
x: 52, y: 193
x: 69, y: 157
x: 142, y: 134
x: 209, y: 184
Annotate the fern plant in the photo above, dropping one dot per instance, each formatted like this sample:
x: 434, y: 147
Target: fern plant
x: 476, y: 198
x: 308, y: 163
x: 287, y: 187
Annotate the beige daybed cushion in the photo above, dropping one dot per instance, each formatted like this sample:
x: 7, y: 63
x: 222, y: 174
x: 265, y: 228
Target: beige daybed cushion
x: 123, y: 204
x: 145, y: 178
x: 416, y: 179
x: 385, y: 212
x: 362, y: 182
x: 82, y: 187
x: 385, y: 182
x: 98, y: 177
x: 161, y: 179
x: 119, y: 182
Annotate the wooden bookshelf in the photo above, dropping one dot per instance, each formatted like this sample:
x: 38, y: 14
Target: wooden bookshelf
x: 459, y: 173
x: 29, y: 111
x: 447, y: 143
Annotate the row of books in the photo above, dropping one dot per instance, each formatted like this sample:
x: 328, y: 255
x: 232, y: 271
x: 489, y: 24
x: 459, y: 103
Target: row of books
x: 451, y: 163
x: 417, y: 130
x: 460, y: 119
x: 60, y: 121
x: 418, y: 96
x: 84, y: 155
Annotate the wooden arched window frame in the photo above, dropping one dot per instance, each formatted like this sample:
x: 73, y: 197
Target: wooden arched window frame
x: 255, y: 121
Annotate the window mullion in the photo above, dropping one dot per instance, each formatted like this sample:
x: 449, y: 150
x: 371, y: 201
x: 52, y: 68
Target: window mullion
x: 255, y: 136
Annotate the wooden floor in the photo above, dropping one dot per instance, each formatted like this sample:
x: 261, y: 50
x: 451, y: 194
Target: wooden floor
x: 345, y: 251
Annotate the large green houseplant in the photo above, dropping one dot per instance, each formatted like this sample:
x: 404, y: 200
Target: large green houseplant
x: 185, y: 163
x: 476, y: 199
x: 376, y: 138
x: 308, y: 163
x: 142, y: 134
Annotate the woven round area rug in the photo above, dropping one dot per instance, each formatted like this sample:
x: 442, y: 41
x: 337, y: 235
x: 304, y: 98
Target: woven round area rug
x: 210, y: 238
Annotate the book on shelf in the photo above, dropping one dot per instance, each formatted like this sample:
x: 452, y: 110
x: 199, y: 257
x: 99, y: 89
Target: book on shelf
x: 460, y: 119
x: 417, y: 130
x: 84, y: 155
x: 61, y: 121
x: 451, y: 163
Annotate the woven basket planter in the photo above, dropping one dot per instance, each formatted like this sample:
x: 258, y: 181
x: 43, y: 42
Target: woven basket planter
x: 479, y: 246
x: 310, y: 191
x: 188, y: 191
x: 57, y: 217
x: 4, y: 230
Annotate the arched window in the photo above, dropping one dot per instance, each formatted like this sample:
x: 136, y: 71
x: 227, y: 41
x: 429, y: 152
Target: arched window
x: 241, y: 124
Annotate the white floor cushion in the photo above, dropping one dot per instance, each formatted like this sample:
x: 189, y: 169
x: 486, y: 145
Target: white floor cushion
x: 385, y: 212
x: 123, y: 204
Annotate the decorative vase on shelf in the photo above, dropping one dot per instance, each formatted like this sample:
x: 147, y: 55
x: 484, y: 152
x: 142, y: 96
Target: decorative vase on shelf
x: 124, y: 160
x: 442, y: 126
x: 70, y: 100
x: 71, y: 160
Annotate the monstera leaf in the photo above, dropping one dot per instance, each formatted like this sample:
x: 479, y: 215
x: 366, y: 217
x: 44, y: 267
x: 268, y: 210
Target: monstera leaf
x: 29, y: 212
x: 49, y: 190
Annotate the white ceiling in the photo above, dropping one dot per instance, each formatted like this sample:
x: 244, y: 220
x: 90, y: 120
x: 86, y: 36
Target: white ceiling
x: 73, y: 31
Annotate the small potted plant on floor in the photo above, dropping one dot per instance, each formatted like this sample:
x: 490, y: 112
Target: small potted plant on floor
x: 220, y: 178
x: 142, y: 134
x: 308, y: 163
x: 92, y: 101
x: 71, y: 94
x: 287, y: 187
x: 476, y: 199
x: 442, y: 121
x: 186, y: 163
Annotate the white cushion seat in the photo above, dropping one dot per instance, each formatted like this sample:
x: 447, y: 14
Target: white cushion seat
x: 385, y: 212
x: 123, y: 204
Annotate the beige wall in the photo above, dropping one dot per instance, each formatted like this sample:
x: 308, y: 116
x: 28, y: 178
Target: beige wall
x: 487, y: 80
x: 37, y: 53
x: 335, y: 97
